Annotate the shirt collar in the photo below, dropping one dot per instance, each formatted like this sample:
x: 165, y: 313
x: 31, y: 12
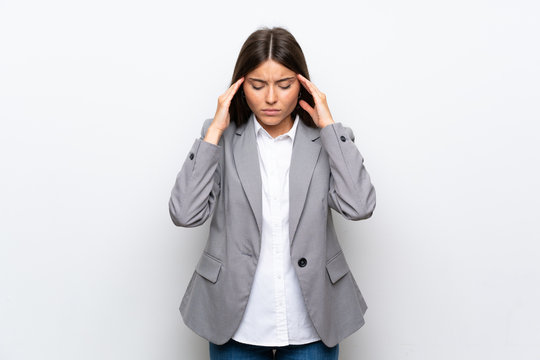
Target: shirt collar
x: 259, y: 130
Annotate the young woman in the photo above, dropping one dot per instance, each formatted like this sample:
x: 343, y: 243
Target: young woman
x: 268, y: 167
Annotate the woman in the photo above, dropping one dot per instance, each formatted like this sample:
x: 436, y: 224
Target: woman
x: 268, y: 167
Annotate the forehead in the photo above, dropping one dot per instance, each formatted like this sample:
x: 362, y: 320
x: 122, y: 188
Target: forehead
x: 271, y: 70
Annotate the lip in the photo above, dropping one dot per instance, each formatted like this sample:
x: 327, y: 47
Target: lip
x: 271, y: 111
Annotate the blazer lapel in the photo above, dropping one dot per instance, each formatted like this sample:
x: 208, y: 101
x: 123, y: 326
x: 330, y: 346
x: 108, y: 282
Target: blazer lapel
x: 246, y: 159
x: 306, y: 150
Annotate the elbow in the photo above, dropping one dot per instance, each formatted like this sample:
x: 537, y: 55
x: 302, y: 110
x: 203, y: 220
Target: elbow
x: 186, y: 217
x: 366, y: 206
x: 177, y: 220
x: 361, y: 215
x: 178, y: 216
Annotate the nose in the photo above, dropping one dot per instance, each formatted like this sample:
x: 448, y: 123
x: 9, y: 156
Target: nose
x: 271, y: 96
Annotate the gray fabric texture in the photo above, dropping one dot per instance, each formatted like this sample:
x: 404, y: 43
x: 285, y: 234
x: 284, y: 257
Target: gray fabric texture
x: 223, y: 182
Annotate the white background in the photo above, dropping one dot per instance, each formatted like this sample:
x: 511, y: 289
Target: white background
x: 100, y: 102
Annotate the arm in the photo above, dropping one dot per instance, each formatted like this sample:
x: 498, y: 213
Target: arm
x: 351, y: 192
x: 198, y: 184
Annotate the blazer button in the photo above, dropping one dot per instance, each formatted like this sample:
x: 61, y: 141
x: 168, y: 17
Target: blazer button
x: 191, y: 156
x: 343, y: 138
x: 302, y: 262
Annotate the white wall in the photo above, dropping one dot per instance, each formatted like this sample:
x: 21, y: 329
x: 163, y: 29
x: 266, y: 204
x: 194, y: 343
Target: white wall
x: 100, y: 102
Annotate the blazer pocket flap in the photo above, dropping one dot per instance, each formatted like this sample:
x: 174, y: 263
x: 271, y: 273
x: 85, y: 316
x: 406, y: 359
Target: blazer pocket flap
x: 208, y: 267
x: 337, y: 267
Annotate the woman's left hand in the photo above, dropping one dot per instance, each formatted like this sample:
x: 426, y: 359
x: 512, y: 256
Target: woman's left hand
x: 321, y: 113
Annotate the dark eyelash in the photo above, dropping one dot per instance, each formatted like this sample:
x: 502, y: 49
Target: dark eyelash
x: 283, y: 87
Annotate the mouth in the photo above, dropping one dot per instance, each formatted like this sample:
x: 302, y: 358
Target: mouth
x: 271, y: 111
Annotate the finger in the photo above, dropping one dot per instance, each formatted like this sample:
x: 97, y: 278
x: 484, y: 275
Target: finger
x: 311, y: 111
x: 304, y: 83
x: 239, y: 81
x: 234, y: 87
x: 238, y: 84
x: 231, y: 91
x: 311, y: 88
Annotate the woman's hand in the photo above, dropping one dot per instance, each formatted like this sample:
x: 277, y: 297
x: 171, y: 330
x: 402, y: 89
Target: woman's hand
x: 321, y: 113
x: 222, y: 118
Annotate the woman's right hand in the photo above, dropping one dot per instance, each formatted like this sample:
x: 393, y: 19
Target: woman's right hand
x: 222, y: 118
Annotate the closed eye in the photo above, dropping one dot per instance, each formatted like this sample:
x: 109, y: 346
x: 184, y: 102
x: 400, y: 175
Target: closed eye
x: 282, y: 87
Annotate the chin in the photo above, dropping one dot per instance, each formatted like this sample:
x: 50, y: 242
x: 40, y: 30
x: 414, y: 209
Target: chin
x: 269, y: 120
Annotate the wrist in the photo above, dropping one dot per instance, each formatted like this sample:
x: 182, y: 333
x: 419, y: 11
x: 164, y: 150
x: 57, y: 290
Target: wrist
x: 213, y: 128
x: 326, y: 123
x: 213, y: 135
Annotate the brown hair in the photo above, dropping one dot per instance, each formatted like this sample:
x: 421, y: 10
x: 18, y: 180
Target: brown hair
x: 279, y: 45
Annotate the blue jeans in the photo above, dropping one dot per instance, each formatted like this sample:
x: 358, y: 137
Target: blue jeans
x: 234, y: 350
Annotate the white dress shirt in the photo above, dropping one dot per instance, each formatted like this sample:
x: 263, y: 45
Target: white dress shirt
x: 276, y: 314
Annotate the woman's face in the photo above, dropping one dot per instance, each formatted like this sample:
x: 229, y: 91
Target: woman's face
x: 272, y: 94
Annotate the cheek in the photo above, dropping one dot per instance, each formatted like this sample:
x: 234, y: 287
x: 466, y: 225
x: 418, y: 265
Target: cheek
x: 291, y: 98
x: 252, y: 97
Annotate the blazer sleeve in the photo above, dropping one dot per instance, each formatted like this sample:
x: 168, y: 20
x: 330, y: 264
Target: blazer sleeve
x: 351, y: 192
x: 198, y: 184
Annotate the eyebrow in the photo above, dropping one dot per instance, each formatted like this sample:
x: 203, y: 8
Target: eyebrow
x: 265, y: 82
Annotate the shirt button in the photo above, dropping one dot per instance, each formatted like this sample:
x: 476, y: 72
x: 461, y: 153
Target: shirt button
x: 191, y: 156
x: 302, y: 262
x: 343, y: 138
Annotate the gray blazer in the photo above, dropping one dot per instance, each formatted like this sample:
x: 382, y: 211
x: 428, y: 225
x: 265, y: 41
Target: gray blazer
x: 224, y: 180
